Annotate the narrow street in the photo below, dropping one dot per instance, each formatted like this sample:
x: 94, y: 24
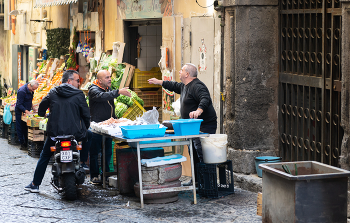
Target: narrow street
x: 104, y: 205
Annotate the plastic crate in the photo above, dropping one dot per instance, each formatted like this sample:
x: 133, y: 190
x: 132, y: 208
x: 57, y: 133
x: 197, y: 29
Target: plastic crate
x: 12, y: 128
x: 184, y: 127
x: 215, y: 180
x: 34, y: 148
x: 136, y: 110
x: 150, y: 98
x: 13, y: 139
x: 5, y: 129
x: 142, y: 131
x: 140, y: 78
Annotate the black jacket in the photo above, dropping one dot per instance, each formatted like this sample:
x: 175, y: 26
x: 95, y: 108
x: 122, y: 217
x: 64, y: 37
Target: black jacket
x: 195, y: 95
x: 101, y: 103
x: 69, y: 112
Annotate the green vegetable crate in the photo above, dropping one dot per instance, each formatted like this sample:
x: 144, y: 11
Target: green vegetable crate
x: 136, y: 110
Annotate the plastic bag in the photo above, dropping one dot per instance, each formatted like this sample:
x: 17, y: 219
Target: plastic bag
x: 176, y: 105
x: 151, y: 116
x: 7, y: 115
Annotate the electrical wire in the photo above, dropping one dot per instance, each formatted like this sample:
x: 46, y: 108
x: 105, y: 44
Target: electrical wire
x: 204, y: 6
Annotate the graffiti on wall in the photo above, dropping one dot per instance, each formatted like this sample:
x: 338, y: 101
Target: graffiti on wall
x: 143, y: 9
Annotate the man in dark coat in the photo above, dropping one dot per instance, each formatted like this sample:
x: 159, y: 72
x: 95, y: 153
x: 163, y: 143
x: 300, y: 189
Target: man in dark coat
x: 69, y: 115
x: 101, y: 99
x: 24, y: 105
x: 195, y: 102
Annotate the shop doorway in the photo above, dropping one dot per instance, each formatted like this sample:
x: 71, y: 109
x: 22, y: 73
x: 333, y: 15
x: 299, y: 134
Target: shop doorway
x: 143, y: 39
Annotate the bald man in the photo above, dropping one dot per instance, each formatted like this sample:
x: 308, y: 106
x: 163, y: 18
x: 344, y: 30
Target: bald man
x: 195, y: 103
x: 101, y: 99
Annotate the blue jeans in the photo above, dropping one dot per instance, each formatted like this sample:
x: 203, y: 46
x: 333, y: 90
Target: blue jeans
x: 44, y: 159
x: 84, y: 153
x: 95, y: 149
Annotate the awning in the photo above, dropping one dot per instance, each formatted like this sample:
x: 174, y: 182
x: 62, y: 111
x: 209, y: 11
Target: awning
x: 46, y: 3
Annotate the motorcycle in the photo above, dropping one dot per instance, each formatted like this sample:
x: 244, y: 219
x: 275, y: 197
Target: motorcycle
x: 66, y: 171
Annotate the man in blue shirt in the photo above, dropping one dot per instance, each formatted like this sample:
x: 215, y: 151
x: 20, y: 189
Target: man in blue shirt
x: 24, y: 105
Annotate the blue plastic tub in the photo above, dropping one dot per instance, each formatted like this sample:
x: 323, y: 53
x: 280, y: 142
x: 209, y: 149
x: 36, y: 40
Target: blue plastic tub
x: 265, y: 159
x: 142, y: 131
x: 184, y: 127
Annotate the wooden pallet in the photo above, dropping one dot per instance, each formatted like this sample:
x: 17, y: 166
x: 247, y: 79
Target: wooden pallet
x: 35, y: 134
x: 127, y: 76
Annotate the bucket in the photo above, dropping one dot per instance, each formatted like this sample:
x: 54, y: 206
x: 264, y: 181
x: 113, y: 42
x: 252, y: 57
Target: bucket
x: 265, y: 159
x: 214, y: 148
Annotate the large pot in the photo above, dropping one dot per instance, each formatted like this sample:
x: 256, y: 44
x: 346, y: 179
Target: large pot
x: 158, y: 198
x: 161, y: 174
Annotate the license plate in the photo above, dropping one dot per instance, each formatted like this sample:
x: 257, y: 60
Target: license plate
x: 67, y: 156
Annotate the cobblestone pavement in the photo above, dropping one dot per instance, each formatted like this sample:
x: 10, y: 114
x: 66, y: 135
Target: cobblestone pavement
x: 104, y: 205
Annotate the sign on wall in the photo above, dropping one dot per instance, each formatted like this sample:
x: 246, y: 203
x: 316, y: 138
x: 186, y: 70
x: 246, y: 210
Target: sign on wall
x: 19, y: 67
x: 142, y: 9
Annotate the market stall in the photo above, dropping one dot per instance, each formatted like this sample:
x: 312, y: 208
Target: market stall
x: 142, y: 134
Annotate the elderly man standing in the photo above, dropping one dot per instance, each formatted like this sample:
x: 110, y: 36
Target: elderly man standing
x: 195, y: 103
x: 101, y: 99
x: 24, y: 105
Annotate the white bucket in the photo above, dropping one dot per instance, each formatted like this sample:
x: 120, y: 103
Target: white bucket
x: 214, y: 148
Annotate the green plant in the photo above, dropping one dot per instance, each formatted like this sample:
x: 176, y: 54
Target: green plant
x: 75, y: 39
x: 57, y: 42
x: 71, y: 63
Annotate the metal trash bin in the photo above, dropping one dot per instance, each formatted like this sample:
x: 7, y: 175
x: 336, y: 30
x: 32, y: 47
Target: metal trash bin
x: 317, y: 194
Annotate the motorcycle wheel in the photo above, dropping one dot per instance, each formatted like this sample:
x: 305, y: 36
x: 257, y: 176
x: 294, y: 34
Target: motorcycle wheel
x: 70, y: 189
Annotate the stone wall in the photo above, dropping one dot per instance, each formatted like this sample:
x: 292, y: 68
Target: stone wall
x: 251, y: 70
x: 344, y: 161
x: 4, y: 53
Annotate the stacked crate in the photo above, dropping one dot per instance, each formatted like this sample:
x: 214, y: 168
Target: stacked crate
x: 35, y: 138
x: 12, y: 134
x: 35, y: 148
x: 3, y: 126
x: 151, y: 94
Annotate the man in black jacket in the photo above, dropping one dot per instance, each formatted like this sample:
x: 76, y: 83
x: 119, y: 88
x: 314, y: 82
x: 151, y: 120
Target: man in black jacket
x: 69, y: 115
x: 101, y: 99
x: 195, y: 102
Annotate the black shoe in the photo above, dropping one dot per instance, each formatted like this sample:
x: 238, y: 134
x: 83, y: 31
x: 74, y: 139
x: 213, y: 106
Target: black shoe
x: 32, y: 188
x: 84, y: 166
x: 23, y: 146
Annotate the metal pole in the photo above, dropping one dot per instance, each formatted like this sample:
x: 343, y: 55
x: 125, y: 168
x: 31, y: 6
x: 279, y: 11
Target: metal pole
x: 140, y: 173
x: 103, y: 161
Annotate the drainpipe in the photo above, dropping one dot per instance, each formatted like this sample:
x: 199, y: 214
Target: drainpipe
x: 222, y: 24
x: 13, y: 18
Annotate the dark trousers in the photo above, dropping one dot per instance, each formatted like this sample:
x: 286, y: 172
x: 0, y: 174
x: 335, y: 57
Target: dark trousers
x: 95, y: 149
x: 21, y: 128
x: 197, y: 148
x: 44, y: 159
x: 84, y: 153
